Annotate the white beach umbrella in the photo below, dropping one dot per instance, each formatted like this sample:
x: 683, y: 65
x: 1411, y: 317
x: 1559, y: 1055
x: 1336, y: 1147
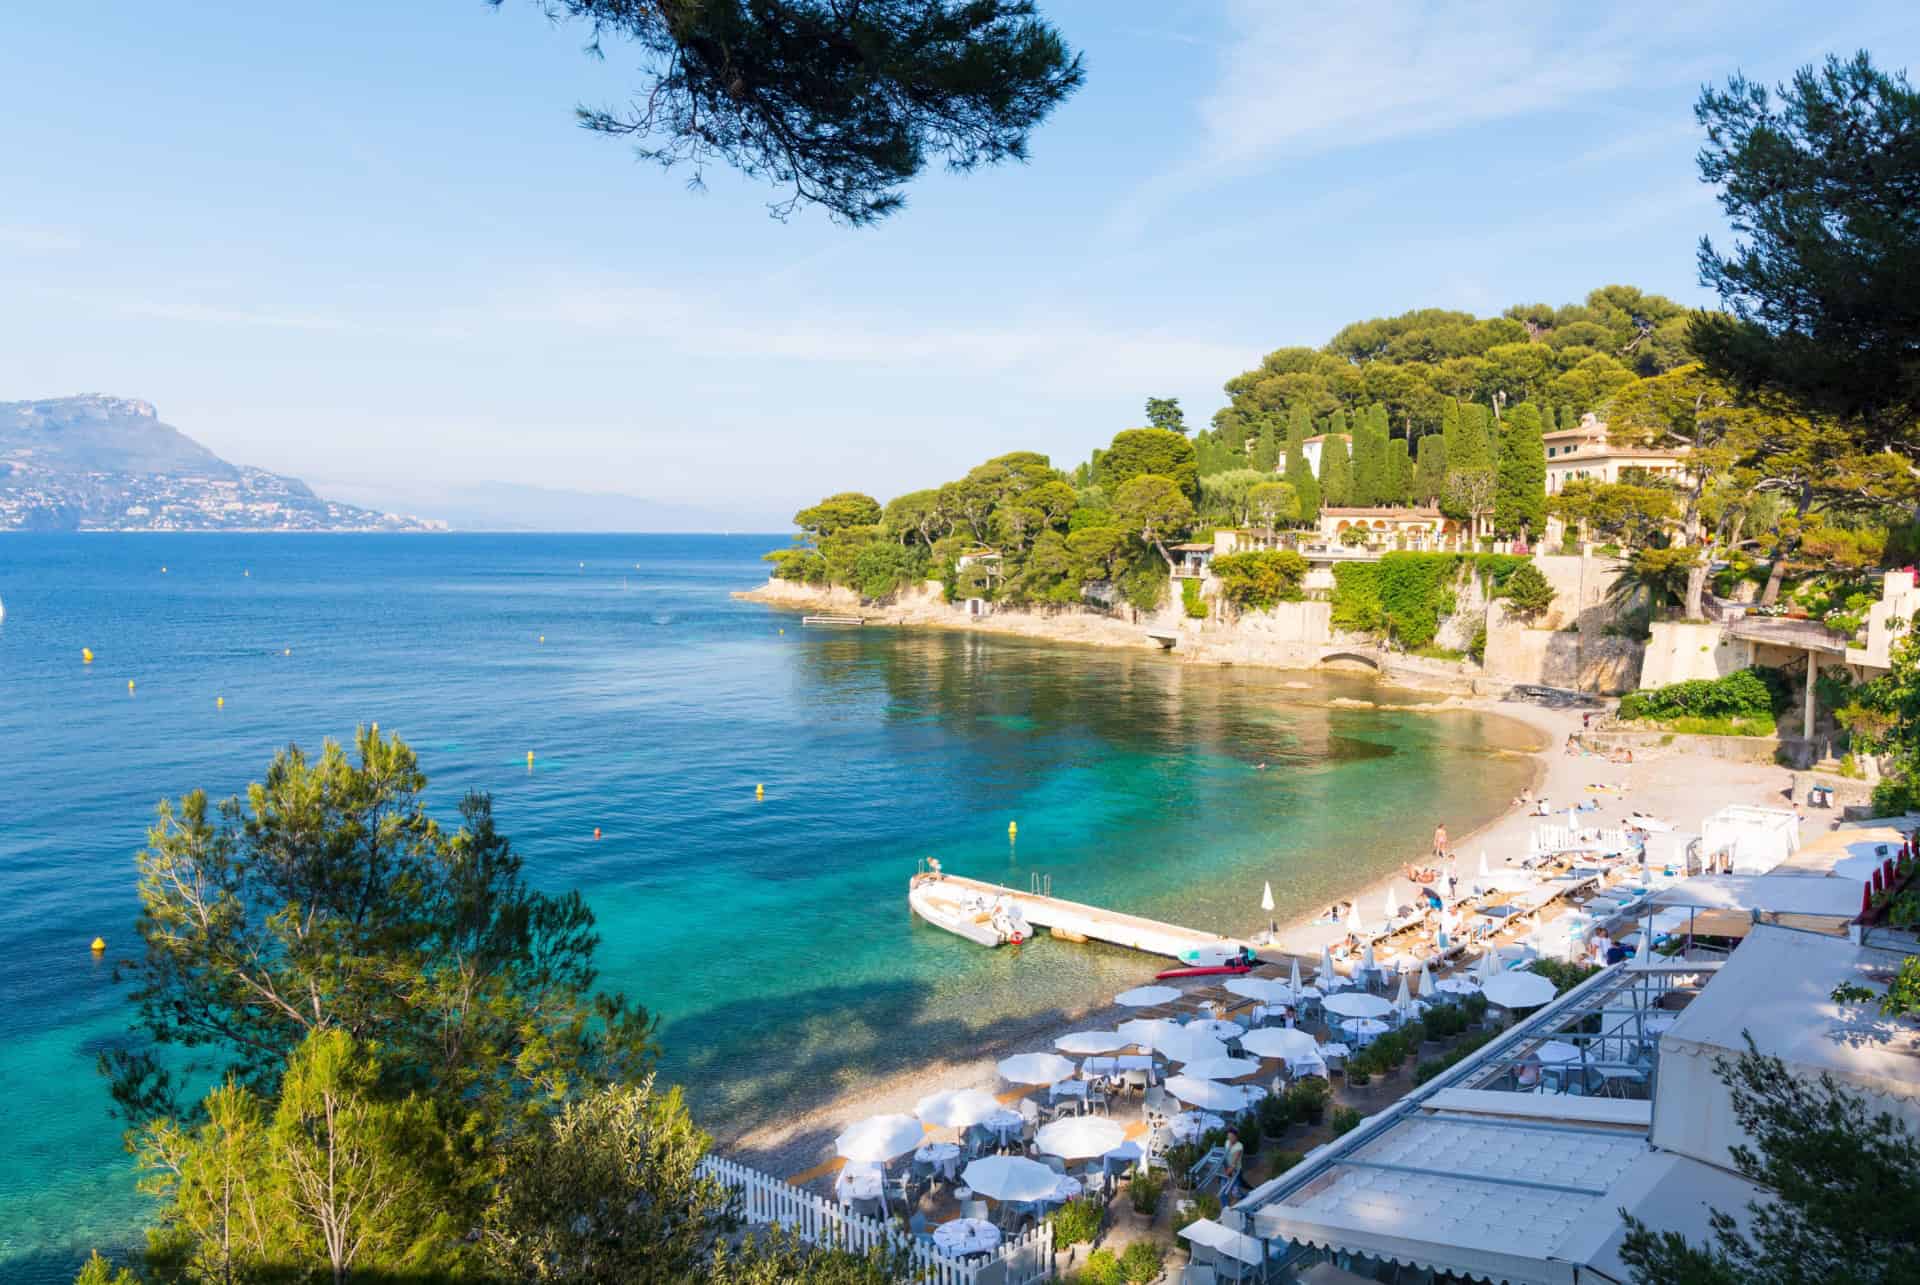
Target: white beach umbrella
x: 1010, y: 1178
x: 1036, y: 1068
x: 1426, y: 980
x: 1488, y: 965
x: 1208, y: 1095
x: 1147, y: 1031
x: 1190, y: 1046
x: 1081, y: 1042
x: 1220, y: 1068
x: 1367, y: 964
x: 1079, y: 1137
x: 1354, y: 1004
x: 1403, y: 999
x: 1327, y: 974
x: 1357, y: 922
x: 1146, y: 996
x: 1391, y: 905
x: 1518, y: 990
x: 1293, y: 977
x: 880, y: 1138
x: 1236, y: 1245
x: 956, y: 1108
x: 1266, y: 904
x: 1267, y: 990
x: 1285, y: 1042
x: 1483, y: 863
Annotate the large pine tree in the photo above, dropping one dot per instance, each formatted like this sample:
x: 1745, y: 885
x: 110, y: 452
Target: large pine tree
x: 1520, y: 482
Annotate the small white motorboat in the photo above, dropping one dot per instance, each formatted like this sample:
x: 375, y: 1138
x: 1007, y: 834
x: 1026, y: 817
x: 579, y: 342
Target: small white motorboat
x: 966, y: 913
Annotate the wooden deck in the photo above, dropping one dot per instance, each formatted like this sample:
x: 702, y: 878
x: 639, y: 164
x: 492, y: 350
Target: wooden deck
x: 1078, y: 920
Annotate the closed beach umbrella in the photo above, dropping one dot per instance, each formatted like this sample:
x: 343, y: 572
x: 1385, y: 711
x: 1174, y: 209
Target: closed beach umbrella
x: 1293, y: 978
x: 1518, y: 990
x: 1266, y: 904
x: 1286, y: 1043
x: 956, y: 1108
x: 1220, y: 1068
x: 1148, y: 1031
x: 1146, y: 996
x: 1080, y: 1137
x: 1403, y: 1001
x: 1488, y: 966
x: 1426, y: 980
x: 1010, y: 1178
x: 1190, y: 1046
x: 1483, y: 863
x: 1036, y: 1068
x: 880, y: 1138
x: 1391, y: 905
x: 1354, y: 1004
x: 1367, y: 964
x: 1268, y: 990
x: 1327, y: 975
x: 1208, y: 1095
x: 1081, y: 1042
x: 1357, y: 922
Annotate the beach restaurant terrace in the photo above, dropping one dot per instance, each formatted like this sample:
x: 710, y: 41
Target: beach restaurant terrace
x: 1488, y: 1173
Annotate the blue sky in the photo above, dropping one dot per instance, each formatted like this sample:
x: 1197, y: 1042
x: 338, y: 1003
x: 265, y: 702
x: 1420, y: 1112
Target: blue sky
x: 364, y: 241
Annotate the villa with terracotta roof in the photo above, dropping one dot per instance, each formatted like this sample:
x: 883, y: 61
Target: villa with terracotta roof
x: 1583, y: 452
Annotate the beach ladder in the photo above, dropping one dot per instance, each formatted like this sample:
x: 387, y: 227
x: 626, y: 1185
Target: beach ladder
x: 1040, y: 885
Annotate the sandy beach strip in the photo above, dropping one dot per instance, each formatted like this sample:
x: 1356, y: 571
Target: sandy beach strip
x: 1670, y: 784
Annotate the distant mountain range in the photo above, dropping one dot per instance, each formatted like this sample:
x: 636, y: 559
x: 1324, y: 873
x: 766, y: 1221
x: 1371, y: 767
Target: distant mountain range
x: 96, y: 463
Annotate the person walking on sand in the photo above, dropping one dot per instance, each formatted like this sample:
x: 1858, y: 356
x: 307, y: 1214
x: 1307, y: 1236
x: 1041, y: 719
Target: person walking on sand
x: 1440, y: 841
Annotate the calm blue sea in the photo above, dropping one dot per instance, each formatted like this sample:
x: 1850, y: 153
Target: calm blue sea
x: 771, y: 936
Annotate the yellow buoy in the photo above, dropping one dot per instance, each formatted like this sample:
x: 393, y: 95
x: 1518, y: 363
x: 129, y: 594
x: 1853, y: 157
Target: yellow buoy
x: 529, y: 760
x: 783, y: 633
x: 86, y: 655
x: 543, y: 637
x: 99, y: 945
x: 219, y: 702
x: 129, y: 684
x: 286, y: 651
x: 1012, y: 829
x: 759, y: 791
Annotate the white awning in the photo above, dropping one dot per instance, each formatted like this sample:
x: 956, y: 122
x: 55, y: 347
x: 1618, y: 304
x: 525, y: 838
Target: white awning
x: 1776, y: 894
x: 1758, y: 838
x: 1777, y: 987
x: 1667, y: 1192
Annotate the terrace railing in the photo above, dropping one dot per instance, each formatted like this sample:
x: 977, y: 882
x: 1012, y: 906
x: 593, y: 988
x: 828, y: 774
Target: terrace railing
x: 767, y: 1201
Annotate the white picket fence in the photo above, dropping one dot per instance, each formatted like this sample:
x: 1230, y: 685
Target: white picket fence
x: 766, y: 1200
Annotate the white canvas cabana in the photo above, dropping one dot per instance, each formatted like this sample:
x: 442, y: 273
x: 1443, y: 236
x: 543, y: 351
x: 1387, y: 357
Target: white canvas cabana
x: 1778, y: 986
x: 1757, y: 839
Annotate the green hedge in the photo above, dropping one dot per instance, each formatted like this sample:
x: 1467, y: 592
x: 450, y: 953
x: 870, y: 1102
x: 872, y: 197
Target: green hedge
x: 1196, y: 606
x: 1749, y: 693
x: 1260, y: 579
x: 1407, y: 594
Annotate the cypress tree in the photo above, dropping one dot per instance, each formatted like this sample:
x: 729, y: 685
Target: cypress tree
x: 1430, y: 470
x: 1266, y: 448
x: 1305, y: 488
x: 1336, y: 471
x: 1399, y: 473
x: 1449, y: 428
x: 1520, y: 482
x: 1369, y: 460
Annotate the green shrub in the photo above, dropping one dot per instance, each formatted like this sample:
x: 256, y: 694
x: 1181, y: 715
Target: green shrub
x: 1261, y: 579
x: 1723, y: 726
x: 1895, y: 797
x: 1428, y: 1068
x: 1433, y: 651
x: 1285, y: 1160
x: 1528, y: 591
x: 1359, y: 1074
x: 1276, y: 1114
x: 1077, y: 1222
x: 1248, y: 1125
x: 1345, y: 1120
x: 1196, y: 606
x: 1563, y: 975
x: 1308, y: 1098
x: 1142, y: 1261
x: 1747, y: 694
x: 1204, y: 1204
x: 1143, y: 1190
x: 1477, y: 645
x: 1102, y: 1268
x: 1181, y: 1158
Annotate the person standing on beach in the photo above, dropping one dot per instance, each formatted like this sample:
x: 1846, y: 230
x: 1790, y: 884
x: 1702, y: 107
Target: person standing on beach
x: 1440, y: 841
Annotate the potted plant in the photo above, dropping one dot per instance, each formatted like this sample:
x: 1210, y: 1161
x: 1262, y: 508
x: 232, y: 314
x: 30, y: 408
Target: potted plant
x: 1143, y: 1196
x: 1309, y: 1098
x: 1142, y: 1262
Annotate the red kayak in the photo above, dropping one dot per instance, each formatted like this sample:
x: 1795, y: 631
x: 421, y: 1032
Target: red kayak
x: 1210, y: 970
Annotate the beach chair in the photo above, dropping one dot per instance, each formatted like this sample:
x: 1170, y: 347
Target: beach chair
x: 1206, y: 1169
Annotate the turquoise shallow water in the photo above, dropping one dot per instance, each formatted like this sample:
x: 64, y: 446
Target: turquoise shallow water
x: 773, y: 937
